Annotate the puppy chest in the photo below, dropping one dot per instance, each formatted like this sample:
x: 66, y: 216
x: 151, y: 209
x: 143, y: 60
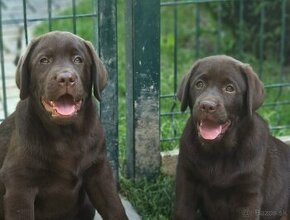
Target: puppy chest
x: 71, y: 158
x: 57, y: 196
x: 212, y: 175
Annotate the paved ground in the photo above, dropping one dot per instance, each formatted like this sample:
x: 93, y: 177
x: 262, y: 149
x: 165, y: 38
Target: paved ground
x: 131, y: 213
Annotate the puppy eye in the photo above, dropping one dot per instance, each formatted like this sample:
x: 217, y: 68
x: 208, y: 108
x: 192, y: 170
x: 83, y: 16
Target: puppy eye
x: 44, y: 60
x: 199, y: 84
x: 77, y: 60
x: 230, y: 88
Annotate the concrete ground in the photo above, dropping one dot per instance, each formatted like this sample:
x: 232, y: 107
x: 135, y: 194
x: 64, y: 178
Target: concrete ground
x: 131, y: 213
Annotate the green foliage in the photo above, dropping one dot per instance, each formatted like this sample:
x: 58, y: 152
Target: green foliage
x: 153, y: 199
x: 246, y: 19
x: 84, y: 26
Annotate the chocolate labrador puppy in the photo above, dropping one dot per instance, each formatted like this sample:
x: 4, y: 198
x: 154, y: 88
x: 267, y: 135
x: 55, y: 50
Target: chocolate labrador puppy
x: 52, y: 148
x: 229, y: 166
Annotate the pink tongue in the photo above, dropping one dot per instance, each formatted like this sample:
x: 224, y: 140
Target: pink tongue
x: 65, y: 106
x: 209, y: 130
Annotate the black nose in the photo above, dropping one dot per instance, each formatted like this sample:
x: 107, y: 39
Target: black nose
x: 66, y: 78
x: 208, y: 106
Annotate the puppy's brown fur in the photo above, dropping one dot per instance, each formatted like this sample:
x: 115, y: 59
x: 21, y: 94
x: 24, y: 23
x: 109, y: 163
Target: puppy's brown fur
x: 229, y: 166
x: 52, y: 148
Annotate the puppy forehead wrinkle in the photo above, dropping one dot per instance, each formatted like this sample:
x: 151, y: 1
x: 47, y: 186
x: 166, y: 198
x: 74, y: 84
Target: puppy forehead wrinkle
x: 58, y: 41
x: 58, y: 49
x: 43, y: 51
x: 221, y: 59
x: 222, y: 70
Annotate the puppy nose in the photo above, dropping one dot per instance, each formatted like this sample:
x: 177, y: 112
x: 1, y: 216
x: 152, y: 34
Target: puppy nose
x: 208, y: 106
x: 66, y: 79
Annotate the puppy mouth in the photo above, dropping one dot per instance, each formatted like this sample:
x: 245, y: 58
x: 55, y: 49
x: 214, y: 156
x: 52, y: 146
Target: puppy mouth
x: 64, y: 107
x: 210, y: 130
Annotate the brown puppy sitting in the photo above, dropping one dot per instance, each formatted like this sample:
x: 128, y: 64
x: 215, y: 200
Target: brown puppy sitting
x: 52, y: 148
x: 229, y: 166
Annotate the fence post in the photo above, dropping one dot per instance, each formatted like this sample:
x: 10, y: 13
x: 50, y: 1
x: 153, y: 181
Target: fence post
x: 108, y: 53
x: 142, y: 21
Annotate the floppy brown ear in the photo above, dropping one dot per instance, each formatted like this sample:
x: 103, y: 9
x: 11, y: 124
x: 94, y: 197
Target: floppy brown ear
x: 98, y: 71
x: 255, y: 89
x: 22, y: 70
x: 184, y: 88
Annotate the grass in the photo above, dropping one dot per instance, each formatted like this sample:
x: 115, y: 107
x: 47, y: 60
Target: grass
x: 153, y: 198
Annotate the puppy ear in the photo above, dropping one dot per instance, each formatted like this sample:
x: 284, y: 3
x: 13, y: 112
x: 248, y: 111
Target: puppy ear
x: 183, y: 93
x: 255, y: 89
x: 22, y: 70
x: 98, y: 71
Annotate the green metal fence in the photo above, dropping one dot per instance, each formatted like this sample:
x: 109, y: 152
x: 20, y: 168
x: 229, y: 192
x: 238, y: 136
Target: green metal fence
x: 254, y: 32
x: 163, y: 39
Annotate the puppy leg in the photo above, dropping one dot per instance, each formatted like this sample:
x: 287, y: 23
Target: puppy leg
x: 185, y: 198
x: 87, y: 210
x: 246, y: 206
x: 19, y: 204
x: 2, y: 193
x: 101, y: 189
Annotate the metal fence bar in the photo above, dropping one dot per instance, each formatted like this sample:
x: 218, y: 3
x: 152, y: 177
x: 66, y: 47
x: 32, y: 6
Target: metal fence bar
x: 54, y: 18
x: 4, y: 98
x: 280, y: 127
x: 142, y: 83
x: 261, y: 36
x: 276, y: 104
x: 108, y: 52
x: 189, y: 2
x: 175, y: 49
x: 171, y: 113
x: 74, y: 16
x: 241, y: 27
x: 169, y: 139
x: 25, y: 21
x: 218, y: 29
x: 197, y: 31
x: 175, y: 66
x: 283, y: 37
x: 277, y: 85
x: 49, y: 5
x: 95, y: 23
x: 130, y: 111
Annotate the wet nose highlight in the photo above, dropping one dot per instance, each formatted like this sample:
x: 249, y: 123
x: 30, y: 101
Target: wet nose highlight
x: 66, y: 79
x: 208, y: 106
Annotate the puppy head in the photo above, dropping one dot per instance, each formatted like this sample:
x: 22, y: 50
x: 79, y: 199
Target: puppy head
x: 59, y: 70
x: 219, y: 90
